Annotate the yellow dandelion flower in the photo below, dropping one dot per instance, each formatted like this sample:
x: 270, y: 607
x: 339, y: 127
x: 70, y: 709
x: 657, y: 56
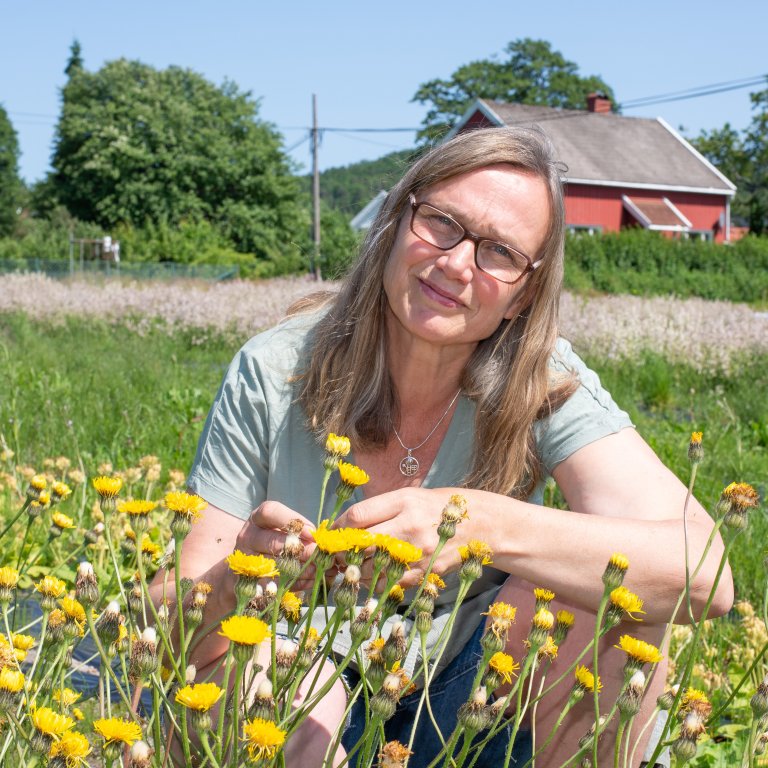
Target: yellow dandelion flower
x: 114, y: 730
x: 62, y: 521
x: 337, y: 445
x: 136, y: 507
x: 400, y: 551
x: 51, y: 723
x: 38, y: 482
x: 639, y: 650
x: 696, y: 438
x: 619, y: 561
x: 204, y: 587
x: 741, y: 495
x: 435, y: 580
x: 43, y: 499
x: 504, y: 665
x: 374, y: 650
x: 23, y: 642
x: 544, y: 595
x: 627, y: 601
x: 61, y: 490
x: 543, y: 619
x: 107, y: 487
x: 77, y: 713
x: 351, y: 475
x: 586, y: 680
x: 200, y: 697
x: 66, y: 696
x: 476, y: 550
x: 263, y: 738
x: 252, y: 566
x: 245, y: 630
x: 694, y: 700
x: 328, y: 540
x: 358, y: 539
x: 290, y: 603
x: 566, y: 618
x: 73, y: 609
x: 11, y: 680
x: 9, y: 577
x: 73, y: 748
x: 501, y: 611
x: 149, y: 547
x: 549, y: 648
x: 50, y: 586
x: 187, y: 504
x: 396, y: 594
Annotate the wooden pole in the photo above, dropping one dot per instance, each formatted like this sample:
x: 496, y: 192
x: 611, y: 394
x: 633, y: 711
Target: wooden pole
x: 314, y: 263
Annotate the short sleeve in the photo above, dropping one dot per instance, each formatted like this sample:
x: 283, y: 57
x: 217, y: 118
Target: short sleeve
x: 234, y: 456
x: 231, y: 466
x: 589, y: 414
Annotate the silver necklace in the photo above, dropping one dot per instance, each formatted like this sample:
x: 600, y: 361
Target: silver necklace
x: 409, y: 465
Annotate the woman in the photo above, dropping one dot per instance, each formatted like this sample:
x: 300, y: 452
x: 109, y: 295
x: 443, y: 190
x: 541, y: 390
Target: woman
x: 439, y: 359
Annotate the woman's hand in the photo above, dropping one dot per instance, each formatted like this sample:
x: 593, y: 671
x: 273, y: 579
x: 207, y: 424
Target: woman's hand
x: 412, y: 514
x: 266, y: 531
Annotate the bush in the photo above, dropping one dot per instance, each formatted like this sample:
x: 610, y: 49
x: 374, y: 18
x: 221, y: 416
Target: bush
x: 640, y: 262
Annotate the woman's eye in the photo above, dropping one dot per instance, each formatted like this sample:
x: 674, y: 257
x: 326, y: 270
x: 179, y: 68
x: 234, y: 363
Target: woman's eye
x: 441, y: 223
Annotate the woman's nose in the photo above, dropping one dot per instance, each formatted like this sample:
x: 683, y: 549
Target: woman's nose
x: 459, y: 262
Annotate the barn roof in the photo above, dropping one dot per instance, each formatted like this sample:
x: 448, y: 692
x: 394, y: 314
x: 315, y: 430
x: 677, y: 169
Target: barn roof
x: 610, y: 149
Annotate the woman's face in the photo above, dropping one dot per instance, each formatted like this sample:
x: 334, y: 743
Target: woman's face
x: 441, y: 296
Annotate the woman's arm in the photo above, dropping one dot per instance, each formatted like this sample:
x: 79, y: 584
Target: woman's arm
x: 213, y: 537
x: 622, y: 499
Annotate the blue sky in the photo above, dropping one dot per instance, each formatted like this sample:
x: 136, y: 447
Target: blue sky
x: 365, y: 60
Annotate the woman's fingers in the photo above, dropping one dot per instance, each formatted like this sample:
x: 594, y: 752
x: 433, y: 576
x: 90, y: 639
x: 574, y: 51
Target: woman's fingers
x: 273, y: 514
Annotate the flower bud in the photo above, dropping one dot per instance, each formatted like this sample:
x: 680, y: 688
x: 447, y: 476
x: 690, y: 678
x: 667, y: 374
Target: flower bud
x: 86, y: 588
x: 140, y: 755
x: 395, y: 646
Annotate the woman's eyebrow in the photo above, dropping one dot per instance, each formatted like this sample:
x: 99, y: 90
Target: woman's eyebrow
x: 461, y: 219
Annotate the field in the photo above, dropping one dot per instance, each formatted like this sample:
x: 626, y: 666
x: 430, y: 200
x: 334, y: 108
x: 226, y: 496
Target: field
x: 109, y: 372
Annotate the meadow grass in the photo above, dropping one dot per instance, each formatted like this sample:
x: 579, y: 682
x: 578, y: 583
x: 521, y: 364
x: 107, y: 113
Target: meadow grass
x: 99, y: 392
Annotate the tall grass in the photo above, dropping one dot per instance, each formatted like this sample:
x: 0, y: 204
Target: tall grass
x: 97, y: 391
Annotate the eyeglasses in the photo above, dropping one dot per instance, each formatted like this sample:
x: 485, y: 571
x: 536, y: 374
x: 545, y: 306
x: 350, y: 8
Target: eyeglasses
x: 499, y: 260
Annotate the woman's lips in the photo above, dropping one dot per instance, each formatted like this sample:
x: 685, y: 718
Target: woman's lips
x: 439, y: 295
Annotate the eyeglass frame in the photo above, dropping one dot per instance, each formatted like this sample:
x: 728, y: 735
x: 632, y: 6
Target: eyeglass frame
x: 473, y: 238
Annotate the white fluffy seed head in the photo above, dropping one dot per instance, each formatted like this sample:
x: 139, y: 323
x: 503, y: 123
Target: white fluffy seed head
x: 85, y: 569
x: 271, y: 589
x: 190, y: 674
x: 264, y: 690
x: 149, y: 635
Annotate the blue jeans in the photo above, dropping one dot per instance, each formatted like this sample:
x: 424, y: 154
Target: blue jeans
x: 447, y: 692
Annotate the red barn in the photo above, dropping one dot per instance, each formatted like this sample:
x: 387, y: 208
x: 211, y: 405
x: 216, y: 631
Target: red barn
x: 623, y: 171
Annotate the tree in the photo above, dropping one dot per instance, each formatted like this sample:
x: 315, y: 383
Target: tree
x: 530, y: 73
x: 10, y: 184
x: 743, y: 158
x: 138, y: 145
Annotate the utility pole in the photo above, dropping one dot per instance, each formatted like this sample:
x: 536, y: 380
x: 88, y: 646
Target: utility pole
x: 314, y: 261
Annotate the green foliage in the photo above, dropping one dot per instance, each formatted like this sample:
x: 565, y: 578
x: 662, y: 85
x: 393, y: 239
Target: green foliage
x: 338, y: 243
x: 141, y: 146
x: 10, y: 184
x: 668, y: 401
x: 743, y: 158
x: 529, y: 73
x: 108, y: 393
x: 103, y: 392
x: 350, y: 188
x: 640, y: 262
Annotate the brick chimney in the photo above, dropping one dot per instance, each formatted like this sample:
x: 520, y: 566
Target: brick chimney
x: 598, y: 102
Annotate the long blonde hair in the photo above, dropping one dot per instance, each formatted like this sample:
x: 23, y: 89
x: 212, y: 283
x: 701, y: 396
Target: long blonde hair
x: 346, y: 387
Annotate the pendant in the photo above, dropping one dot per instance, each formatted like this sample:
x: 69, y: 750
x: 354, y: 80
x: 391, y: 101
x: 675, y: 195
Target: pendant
x: 409, y: 466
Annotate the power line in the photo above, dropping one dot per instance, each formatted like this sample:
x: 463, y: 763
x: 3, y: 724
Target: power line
x: 692, y: 93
